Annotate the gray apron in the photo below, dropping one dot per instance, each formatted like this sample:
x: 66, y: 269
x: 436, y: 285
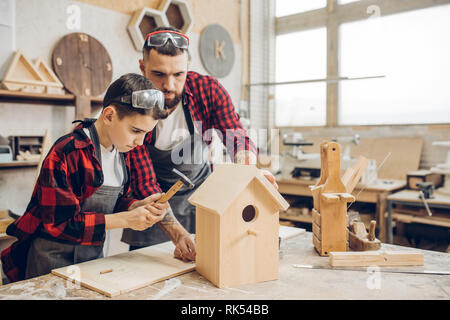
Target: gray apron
x: 47, y: 253
x: 191, y: 158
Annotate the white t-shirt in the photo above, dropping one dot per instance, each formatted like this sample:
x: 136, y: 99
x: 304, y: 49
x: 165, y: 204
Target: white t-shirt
x: 171, y: 131
x: 111, y: 165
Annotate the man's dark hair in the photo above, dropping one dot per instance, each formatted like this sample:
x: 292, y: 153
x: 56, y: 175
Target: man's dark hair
x: 168, y: 49
x: 126, y: 85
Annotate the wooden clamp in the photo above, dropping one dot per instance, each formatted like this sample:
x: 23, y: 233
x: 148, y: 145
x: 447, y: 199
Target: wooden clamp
x: 330, y: 221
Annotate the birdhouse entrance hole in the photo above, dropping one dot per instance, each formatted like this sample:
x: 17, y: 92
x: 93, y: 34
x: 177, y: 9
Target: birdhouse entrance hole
x: 249, y: 213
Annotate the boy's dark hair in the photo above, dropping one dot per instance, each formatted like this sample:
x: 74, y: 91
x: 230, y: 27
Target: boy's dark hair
x: 168, y: 49
x: 125, y: 85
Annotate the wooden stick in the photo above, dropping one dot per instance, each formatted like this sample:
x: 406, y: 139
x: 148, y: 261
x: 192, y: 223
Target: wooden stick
x: 371, y: 236
x: 106, y: 271
x: 376, y: 258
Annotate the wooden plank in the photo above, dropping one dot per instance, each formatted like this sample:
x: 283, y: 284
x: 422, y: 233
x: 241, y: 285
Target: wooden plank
x: 316, y: 231
x: 286, y: 232
x: 4, y: 223
x: 400, y: 155
x: 316, y: 217
x: 376, y: 258
x: 298, y: 218
x: 317, y: 245
x: 4, y: 214
x: 18, y: 164
x: 131, y: 270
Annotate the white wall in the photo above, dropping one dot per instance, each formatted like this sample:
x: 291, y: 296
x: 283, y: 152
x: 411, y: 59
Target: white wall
x: 39, y: 25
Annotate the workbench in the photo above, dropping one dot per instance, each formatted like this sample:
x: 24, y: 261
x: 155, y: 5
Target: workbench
x: 293, y: 283
x: 411, y: 198
x: 376, y: 193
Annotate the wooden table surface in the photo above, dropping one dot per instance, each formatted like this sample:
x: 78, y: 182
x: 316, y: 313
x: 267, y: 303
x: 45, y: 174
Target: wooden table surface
x: 293, y: 283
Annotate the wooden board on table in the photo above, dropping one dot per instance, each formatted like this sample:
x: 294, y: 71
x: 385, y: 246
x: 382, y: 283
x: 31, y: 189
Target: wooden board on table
x: 130, y: 270
x: 4, y: 223
x: 286, y: 232
x: 376, y: 258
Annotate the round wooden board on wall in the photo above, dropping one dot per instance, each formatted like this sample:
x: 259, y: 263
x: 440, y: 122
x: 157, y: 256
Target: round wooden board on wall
x: 216, y: 50
x: 82, y: 64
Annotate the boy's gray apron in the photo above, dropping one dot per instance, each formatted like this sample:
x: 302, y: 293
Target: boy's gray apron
x: 47, y: 253
x: 191, y: 158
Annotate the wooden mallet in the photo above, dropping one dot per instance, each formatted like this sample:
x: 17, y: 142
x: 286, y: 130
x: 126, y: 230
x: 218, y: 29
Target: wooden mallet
x: 182, y: 181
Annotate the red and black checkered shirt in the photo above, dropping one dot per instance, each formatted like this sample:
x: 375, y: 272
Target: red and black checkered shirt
x: 211, y: 108
x: 70, y: 174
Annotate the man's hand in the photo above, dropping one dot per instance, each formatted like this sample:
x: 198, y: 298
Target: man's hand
x: 269, y: 176
x: 185, y: 248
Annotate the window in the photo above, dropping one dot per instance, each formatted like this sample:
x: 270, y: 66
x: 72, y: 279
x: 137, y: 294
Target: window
x: 288, y: 7
x: 412, y: 50
x: 301, y: 56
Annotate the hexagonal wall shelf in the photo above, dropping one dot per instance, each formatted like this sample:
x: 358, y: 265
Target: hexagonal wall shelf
x: 144, y: 21
x: 178, y: 14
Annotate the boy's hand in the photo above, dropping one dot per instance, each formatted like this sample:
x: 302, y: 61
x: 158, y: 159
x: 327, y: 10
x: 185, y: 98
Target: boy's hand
x: 140, y: 218
x: 149, y: 200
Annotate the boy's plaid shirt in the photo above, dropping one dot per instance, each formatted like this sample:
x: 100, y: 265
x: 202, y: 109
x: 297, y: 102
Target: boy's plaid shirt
x: 70, y: 174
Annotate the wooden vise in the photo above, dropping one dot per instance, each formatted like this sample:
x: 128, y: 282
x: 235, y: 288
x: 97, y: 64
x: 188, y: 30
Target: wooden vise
x: 330, y: 197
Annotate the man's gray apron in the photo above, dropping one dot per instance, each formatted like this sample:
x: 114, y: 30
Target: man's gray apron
x: 194, y: 165
x: 47, y: 253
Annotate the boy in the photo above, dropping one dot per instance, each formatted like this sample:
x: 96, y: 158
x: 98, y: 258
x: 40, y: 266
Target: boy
x: 83, y: 180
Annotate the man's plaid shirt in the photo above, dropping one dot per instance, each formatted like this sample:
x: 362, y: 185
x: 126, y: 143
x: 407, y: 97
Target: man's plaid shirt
x: 70, y: 174
x: 211, y: 108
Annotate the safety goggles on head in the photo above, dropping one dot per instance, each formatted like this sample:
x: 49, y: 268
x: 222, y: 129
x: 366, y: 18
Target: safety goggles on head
x: 143, y: 99
x: 160, y: 38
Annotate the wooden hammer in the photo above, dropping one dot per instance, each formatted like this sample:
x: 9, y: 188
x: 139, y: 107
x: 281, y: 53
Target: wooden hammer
x: 173, y: 189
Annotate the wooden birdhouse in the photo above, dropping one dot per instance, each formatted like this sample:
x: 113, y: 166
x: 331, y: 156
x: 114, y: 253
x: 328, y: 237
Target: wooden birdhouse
x: 237, y: 224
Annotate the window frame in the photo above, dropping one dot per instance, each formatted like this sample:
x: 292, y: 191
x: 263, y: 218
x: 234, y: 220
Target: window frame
x: 331, y: 17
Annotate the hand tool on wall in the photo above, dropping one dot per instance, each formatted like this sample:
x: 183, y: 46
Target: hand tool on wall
x: 177, y: 186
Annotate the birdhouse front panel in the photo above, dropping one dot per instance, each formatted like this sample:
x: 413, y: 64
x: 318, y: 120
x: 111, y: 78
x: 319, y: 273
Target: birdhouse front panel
x: 207, y: 236
x: 249, y: 238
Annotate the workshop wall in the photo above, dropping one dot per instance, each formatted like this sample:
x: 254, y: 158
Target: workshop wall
x: 40, y: 24
x: 430, y: 156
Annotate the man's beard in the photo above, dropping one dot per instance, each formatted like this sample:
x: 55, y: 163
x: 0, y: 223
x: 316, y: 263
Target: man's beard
x: 169, y: 104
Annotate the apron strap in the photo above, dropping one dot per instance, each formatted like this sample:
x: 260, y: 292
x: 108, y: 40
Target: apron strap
x: 124, y: 167
x: 95, y: 141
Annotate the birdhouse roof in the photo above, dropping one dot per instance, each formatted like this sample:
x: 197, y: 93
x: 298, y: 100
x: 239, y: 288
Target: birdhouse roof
x: 227, y: 182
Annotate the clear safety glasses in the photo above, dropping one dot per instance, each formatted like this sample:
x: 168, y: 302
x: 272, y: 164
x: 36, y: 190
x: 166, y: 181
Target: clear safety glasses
x: 143, y: 99
x: 159, y: 39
